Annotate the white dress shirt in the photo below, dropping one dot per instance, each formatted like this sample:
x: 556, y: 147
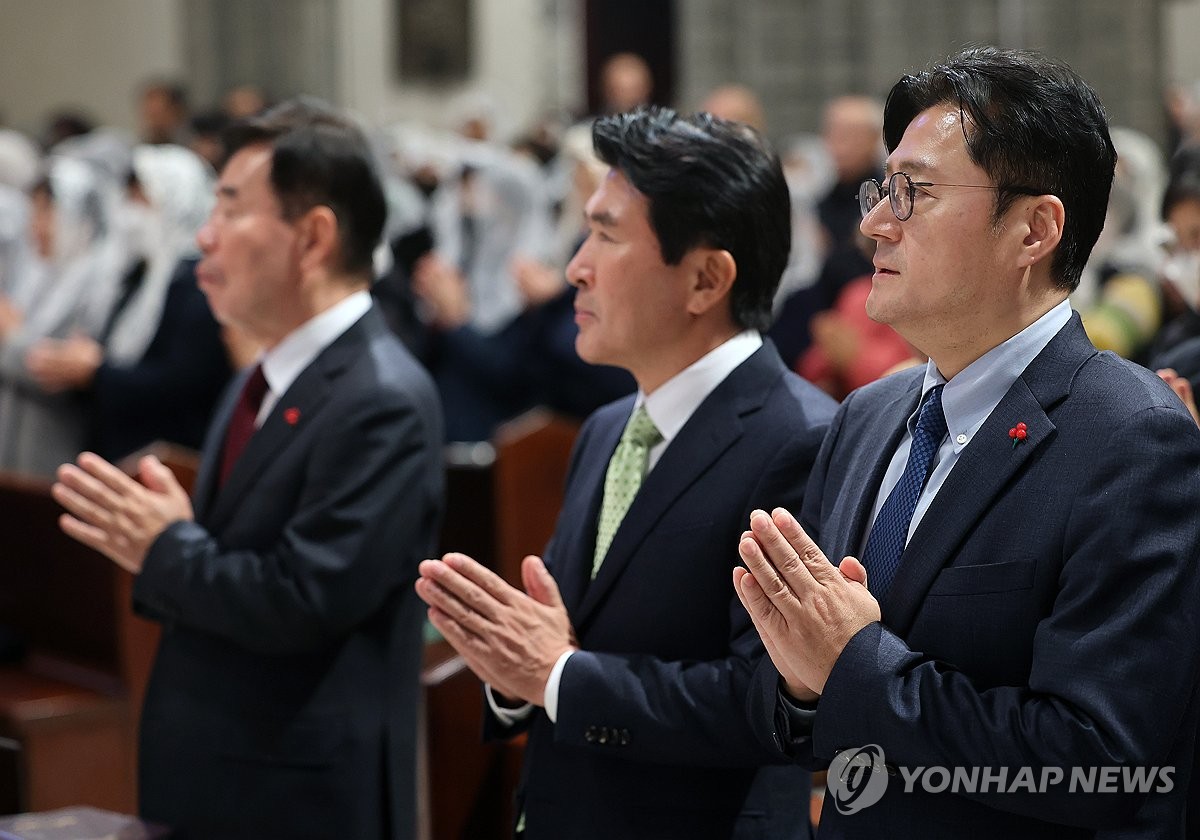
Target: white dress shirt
x: 284, y: 362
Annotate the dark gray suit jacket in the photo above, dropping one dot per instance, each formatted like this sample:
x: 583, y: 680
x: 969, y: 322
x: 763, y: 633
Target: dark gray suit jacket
x: 651, y: 739
x: 283, y: 698
x: 1044, y: 614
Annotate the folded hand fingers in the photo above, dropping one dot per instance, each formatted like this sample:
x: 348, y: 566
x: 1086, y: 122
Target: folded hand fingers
x: 481, y: 576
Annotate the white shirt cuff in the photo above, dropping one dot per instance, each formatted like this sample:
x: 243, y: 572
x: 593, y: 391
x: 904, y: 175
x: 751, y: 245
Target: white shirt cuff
x: 507, y: 716
x: 551, y: 692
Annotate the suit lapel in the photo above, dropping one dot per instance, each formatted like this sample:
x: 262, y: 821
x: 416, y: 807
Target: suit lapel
x: 581, y: 511
x: 984, y: 469
x: 214, y: 439
x: 708, y: 433
x: 306, y: 396
x: 886, y: 427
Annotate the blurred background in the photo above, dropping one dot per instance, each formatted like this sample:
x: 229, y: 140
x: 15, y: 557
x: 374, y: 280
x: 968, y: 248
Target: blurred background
x: 407, y: 59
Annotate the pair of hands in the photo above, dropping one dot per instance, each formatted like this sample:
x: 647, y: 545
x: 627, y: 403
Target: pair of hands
x: 805, y: 609
x: 509, y: 638
x: 115, y: 514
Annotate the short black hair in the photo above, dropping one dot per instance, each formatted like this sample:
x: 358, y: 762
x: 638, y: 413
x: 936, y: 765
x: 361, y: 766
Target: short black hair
x: 709, y: 182
x: 1033, y: 125
x: 320, y: 158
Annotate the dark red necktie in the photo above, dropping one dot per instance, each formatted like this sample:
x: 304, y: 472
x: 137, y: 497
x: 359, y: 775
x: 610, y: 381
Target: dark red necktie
x: 241, y: 425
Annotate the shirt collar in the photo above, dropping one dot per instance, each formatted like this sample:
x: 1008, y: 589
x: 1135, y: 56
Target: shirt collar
x: 673, y: 402
x: 287, y: 360
x: 974, y: 393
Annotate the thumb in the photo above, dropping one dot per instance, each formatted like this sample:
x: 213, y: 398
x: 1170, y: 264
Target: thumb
x: 539, y: 583
x: 853, y: 571
x: 156, y: 476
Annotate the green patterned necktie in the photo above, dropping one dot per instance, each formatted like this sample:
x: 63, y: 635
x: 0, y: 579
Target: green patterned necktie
x: 625, y: 473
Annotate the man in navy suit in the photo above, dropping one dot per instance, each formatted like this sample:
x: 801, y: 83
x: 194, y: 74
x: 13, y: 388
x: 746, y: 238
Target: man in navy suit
x: 1024, y: 507
x: 283, y: 698
x: 628, y: 660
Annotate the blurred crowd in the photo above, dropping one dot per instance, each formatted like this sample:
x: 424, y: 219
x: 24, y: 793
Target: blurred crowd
x: 106, y: 343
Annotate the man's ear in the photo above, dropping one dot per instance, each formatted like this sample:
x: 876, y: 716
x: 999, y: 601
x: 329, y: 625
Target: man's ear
x: 714, y: 273
x: 1043, y: 222
x: 318, y: 238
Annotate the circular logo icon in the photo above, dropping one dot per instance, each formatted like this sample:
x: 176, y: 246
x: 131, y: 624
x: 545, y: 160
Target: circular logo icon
x: 857, y: 778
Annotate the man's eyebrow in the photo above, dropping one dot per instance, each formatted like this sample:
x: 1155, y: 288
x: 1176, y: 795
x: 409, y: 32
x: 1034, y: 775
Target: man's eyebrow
x: 227, y: 191
x: 601, y: 217
x: 910, y: 167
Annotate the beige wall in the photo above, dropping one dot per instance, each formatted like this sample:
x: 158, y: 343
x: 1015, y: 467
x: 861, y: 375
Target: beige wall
x: 91, y: 54
x: 522, y: 60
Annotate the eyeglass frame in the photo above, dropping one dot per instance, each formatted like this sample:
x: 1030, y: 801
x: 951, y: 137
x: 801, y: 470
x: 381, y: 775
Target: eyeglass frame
x: 912, y: 192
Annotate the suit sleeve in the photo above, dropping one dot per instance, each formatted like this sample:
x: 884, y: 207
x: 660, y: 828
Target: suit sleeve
x: 768, y: 717
x: 686, y: 712
x: 365, y: 516
x: 1114, y: 661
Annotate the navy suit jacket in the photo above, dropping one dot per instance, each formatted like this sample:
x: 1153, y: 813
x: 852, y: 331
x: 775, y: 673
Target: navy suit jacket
x: 1045, y: 612
x: 651, y: 739
x: 283, y: 698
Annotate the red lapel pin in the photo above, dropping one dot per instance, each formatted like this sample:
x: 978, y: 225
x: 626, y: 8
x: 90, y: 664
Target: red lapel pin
x: 1018, y: 434
x: 292, y: 416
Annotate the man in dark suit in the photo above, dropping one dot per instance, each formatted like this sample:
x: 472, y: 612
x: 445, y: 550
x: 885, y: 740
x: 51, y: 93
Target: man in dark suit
x: 632, y: 681
x: 1024, y: 506
x: 282, y: 702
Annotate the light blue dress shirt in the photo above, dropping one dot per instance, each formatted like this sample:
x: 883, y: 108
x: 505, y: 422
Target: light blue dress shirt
x: 967, y: 401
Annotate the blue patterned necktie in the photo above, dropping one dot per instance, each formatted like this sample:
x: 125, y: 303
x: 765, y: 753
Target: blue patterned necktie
x: 890, y: 531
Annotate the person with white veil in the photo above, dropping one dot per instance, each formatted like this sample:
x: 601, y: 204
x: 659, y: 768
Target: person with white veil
x: 158, y: 365
x: 65, y: 289
x: 19, y: 166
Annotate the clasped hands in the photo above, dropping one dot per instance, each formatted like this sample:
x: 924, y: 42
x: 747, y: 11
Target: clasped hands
x: 115, y: 514
x: 805, y: 609
x: 509, y: 638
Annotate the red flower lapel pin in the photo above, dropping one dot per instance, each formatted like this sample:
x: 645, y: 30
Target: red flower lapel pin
x: 292, y: 416
x: 1018, y: 434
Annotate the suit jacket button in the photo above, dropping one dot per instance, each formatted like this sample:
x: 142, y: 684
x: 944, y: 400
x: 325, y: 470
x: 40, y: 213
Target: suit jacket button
x: 589, y: 734
x: 623, y: 739
x: 603, y: 739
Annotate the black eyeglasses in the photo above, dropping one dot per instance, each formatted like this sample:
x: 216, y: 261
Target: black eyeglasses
x: 901, y: 191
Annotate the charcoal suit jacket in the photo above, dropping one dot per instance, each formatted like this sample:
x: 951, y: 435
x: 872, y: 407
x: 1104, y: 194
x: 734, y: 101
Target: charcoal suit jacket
x: 282, y: 701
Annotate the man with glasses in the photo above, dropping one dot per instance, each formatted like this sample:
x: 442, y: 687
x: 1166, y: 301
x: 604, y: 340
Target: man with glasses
x: 1018, y: 519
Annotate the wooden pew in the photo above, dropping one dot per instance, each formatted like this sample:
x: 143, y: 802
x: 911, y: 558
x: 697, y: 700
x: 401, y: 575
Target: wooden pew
x: 532, y: 455
x: 502, y: 502
x: 72, y: 701
x: 65, y: 702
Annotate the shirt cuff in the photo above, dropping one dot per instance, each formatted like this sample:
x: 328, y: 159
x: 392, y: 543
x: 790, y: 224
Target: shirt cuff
x: 508, y: 716
x: 552, y: 684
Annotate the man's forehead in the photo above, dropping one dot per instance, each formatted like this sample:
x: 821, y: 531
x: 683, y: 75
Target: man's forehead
x: 931, y: 141
x: 616, y: 198
x: 247, y: 166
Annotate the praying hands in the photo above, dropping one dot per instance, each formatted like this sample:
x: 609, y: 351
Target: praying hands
x: 805, y: 609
